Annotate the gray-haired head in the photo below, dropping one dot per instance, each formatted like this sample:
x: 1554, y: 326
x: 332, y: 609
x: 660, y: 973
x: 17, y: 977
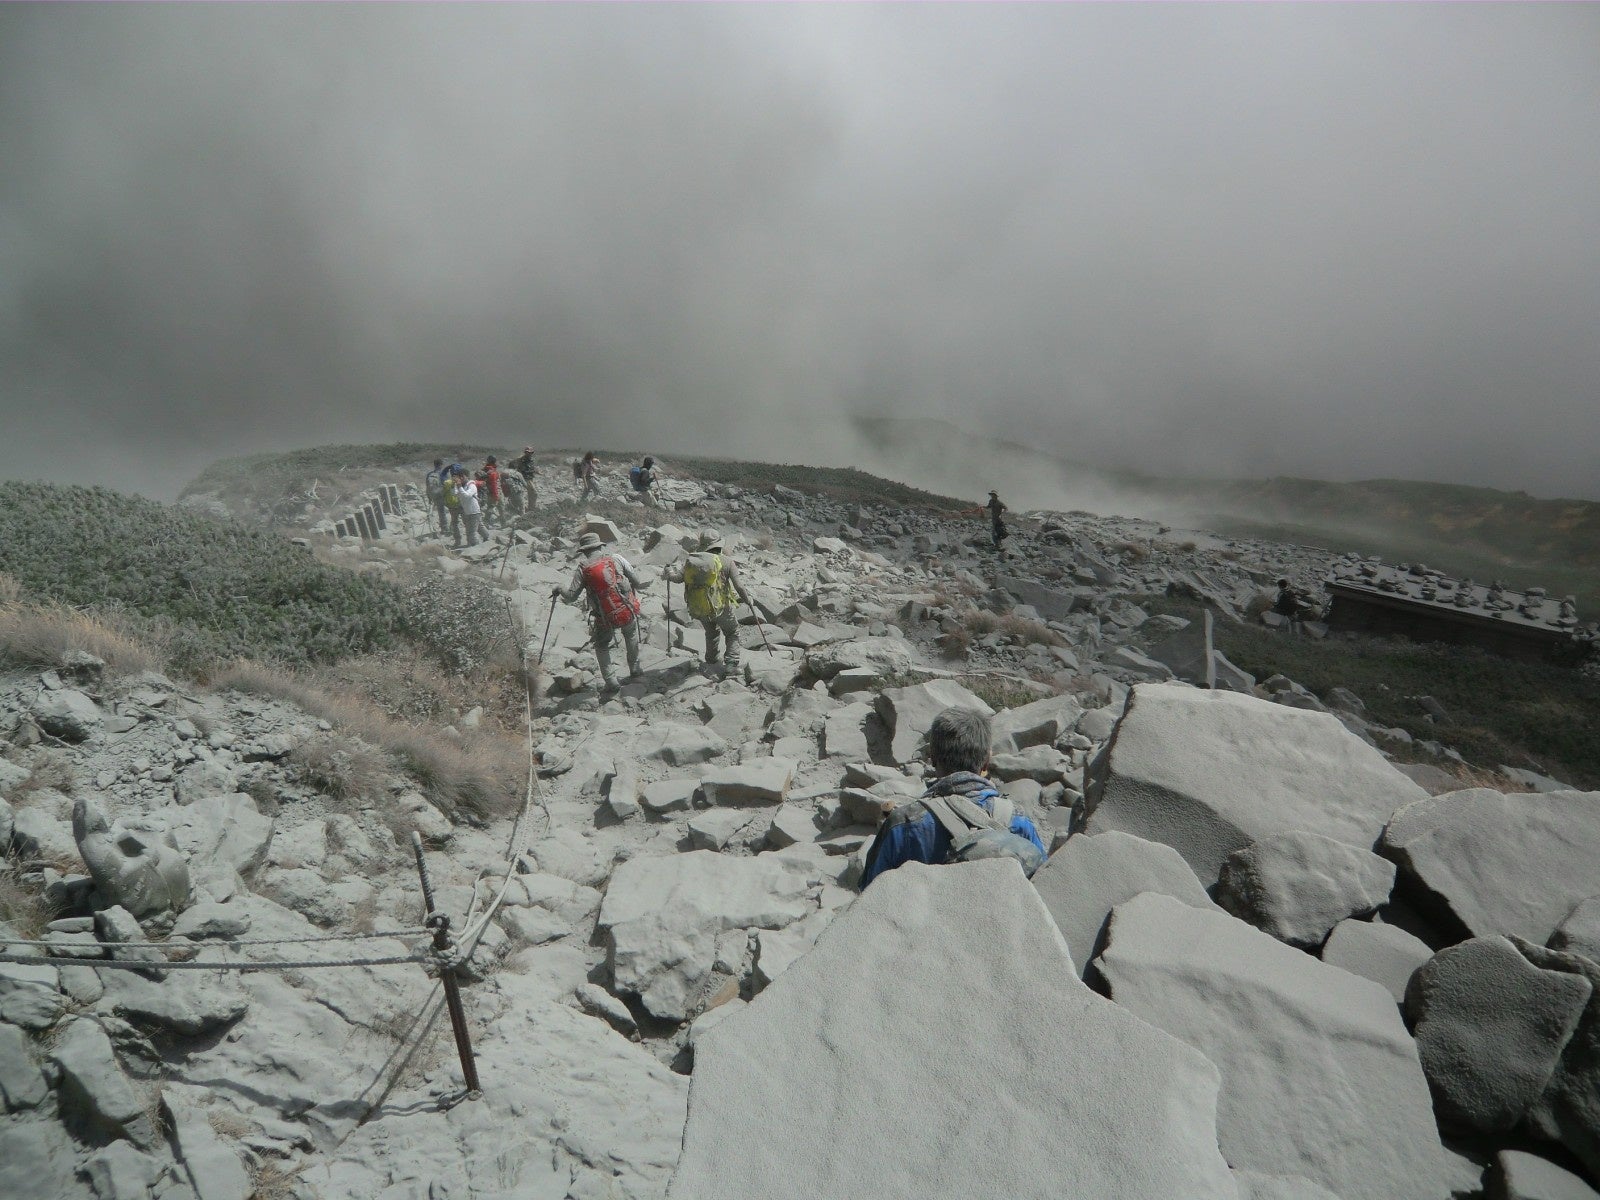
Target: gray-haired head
x: 958, y: 740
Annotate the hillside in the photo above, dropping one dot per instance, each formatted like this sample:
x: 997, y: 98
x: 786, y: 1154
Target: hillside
x: 659, y: 882
x: 1478, y: 532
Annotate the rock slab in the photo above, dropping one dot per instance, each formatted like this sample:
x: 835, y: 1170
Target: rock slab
x: 1320, y: 1077
x: 1297, y: 886
x: 1126, y: 1111
x: 1210, y: 772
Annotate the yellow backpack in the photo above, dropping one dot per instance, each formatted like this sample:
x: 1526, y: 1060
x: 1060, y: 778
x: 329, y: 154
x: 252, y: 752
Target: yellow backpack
x: 706, y: 587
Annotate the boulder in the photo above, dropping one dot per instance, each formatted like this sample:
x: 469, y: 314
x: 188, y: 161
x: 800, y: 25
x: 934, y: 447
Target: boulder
x: 219, y: 831
x: 712, y: 829
x: 1490, y: 1028
x: 30, y: 995
x: 886, y: 655
x: 1039, y: 723
x: 119, y: 1172
x: 774, y: 672
x: 603, y: 529
x: 1385, y: 954
x: 1043, y: 764
x: 93, y: 1086
x: 1052, y: 604
x: 791, y: 824
x: 1319, y: 1076
x: 211, y: 920
x: 760, y: 781
x: 1297, y: 886
x: 1518, y: 1175
x: 680, y: 745
x: 567, y: 853
x: 1210, y: 772
x: 185, y: 1003
x: 1255, y: 1186
x: 1126, y: 1111
x: 202, y: 778
x: 68, y: 714
x: 908, y: 712
x: 661, y: 917
x: 1090, y: 876
x: 1569, y: 1109
x: 8, y: 820
x: 37, y: 1159
x: 216, y: 1170
x: 1579, y: 933
x: 665, y: 796
x: 143, y: 874
x: 38, y: 833
x: 844, y: 732
x: 1489, y: 863
x: 22, y: 1083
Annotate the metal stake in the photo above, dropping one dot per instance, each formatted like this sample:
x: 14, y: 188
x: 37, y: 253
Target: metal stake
x: 440, y: 923
x: 759, y: 629
x: 666, y: 616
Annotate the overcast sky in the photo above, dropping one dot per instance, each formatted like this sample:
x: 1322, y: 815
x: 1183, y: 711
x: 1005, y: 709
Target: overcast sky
x: 1323, y: 240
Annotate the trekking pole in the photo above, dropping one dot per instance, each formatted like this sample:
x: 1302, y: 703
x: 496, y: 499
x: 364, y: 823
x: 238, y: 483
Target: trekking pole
x: 440, y: 924
x: 759, y: 628
x: 511, y: 540
x: 666, y: 616
x: 546, y: 640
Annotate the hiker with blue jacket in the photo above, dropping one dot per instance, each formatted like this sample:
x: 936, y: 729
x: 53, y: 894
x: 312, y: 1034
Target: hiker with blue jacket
x: 962, y: 816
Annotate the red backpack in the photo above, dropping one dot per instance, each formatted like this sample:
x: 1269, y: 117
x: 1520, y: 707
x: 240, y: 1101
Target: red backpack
x: 617, y: 607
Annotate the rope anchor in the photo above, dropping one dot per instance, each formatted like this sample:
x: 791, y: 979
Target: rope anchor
x: 444, y: 952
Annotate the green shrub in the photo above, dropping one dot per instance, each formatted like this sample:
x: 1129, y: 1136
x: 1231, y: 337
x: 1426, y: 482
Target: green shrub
x: 209, y: 589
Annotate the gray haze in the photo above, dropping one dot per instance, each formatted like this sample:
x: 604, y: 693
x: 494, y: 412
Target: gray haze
x: 1320, y: 240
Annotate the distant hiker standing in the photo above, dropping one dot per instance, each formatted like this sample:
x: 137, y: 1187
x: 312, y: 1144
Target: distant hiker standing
x: 434, y: 483
x: 713, y: 591
x: 586, y: 476
x: 997, y: 527
x: 643, y: 478
x: 613, y: 591
x: 468, y: 506
x: 452, y: 502
x: 492, y: 492
x: 523, y: 465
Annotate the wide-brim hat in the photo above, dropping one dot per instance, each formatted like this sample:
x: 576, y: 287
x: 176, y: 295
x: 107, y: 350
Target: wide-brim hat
x: 588, y: 542
x: 711, y: 539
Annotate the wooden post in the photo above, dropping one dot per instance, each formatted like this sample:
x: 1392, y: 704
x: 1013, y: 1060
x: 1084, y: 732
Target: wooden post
x: 440, y: 924
x: 366, y: 531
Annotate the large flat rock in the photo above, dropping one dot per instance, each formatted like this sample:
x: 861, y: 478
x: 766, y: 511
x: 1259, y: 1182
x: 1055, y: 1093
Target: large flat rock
x: 1091, y: 875
x: 908, y: 713
x: 1297, y: 886
x: 1210, y: 772
x: 1319, y: 1076
x: 937, y: 1042
x: 1491, y: 1027
x: 1498, y: 863
x: 661, y: 917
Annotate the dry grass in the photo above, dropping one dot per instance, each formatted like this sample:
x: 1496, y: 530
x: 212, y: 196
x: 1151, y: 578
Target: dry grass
x: 22, y: 908
x: 1137, y: 551
x: 1025, y: 630
x: 49, y: 770
x: 269, y: 1181
x: 41, y: 635
x: 350, y: 772
x: 474, y: 778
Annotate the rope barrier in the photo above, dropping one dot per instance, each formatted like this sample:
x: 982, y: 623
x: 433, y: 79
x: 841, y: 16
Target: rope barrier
x: 418, y: 931
x: 123, y: 964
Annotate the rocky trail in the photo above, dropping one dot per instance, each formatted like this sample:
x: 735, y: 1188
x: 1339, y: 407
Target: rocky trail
x: 1264, y: 960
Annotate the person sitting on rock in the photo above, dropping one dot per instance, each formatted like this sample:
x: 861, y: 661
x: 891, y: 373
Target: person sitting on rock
x: 643, y: 478
x: 613, y: 589
x: 713, y: 592
x: 961, y: 816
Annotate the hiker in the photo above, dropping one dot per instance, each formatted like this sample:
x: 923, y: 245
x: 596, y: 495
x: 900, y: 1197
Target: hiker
x: 997, y: 527
x: 470, y: 510
x: 492, y: 494
x: 434, y: 484
x: 452, y: 504
x: 523, y: 465
x: 643, y: 478
x: 586, y: 475
x: 613, y: 590
x: 961, y: 816
x: 712, y: 590
x: 1291, y: 604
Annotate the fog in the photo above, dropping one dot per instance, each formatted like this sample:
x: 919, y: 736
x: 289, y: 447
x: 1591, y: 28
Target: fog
x: 1332, y: 241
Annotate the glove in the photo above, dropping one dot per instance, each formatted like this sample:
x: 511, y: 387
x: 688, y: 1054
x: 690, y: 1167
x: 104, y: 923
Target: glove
x: 555, y: 593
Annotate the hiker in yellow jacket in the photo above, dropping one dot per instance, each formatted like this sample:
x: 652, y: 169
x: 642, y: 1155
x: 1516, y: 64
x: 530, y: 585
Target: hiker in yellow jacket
x: 713, y: 591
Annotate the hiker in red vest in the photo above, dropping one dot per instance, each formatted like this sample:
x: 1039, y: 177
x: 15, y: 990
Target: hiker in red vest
x: 490, y: 491
x: 613, y: 591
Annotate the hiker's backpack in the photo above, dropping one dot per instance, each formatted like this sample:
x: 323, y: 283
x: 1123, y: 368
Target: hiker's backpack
x: 577, y: 469
x: 636, y: 477
x: 617, y: 606
x: 976, y: 834
x: 706, y: 587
